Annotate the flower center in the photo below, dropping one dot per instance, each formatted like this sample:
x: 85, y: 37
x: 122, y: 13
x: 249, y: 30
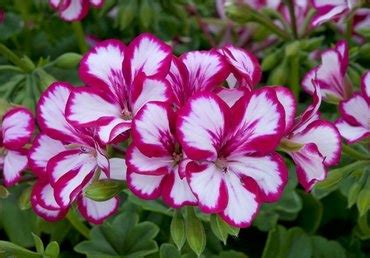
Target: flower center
x: 126, y: 115
x: 221, y: 163
x: 177, y: 157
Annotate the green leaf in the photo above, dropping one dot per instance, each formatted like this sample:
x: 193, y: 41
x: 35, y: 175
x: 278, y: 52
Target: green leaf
x: 24, y: 200
x: 322, y: 248
x: 68, y: 60
x: 363, y: 201
x: 8, y: 249
x: 353, y: 193
x: 4, y: 193
x: 126, y: 13
x: 195, y: 234
x: 104, y: 189
x: 177, y: 229
x: 310, y: 216
x: 38, y: 244
x: 221, y: 229
x: 52, y: 250
x: 11, y: 26
x: 123, y: 237
x: 155, y: 205
x: 146, y: 13
x: 169, y: 251
x: 230, y: 254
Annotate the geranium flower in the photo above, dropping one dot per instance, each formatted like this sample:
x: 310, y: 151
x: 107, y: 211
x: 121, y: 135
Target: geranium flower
x: 330, y: 75
x: 331, y: 10
x: 233, y: 165
x: 354, y: 125
x: 155, y: 160
x: 314, y: 144
x: 74, y: 10
x: 121, y: 80
x: 16, y: 130
x: 65, y: 159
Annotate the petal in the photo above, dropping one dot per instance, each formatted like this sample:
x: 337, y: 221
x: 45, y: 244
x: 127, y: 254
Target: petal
x: 202, y: 126
x: 325, y: 136
x: 356, y: 110
x: 288, y: 101
x: 207, y: 69
x: 117, y: 169
x: 149, y: 55
x: 352, y: 133
x: 42, y: 150
x: 243, y: 202
x: 70, y: 172
x: 14, y: 163
x: 44, y: 192
x: 365, y: 86
x: 309, y: 165
x: 244, y: 64
x: 147, y: 187
x: 97, y: 3
x: 230, y: 96
x: 178, y: 77
x: 207, y: 183
x: 342, y: 48
x: 96, y: 212
x: 259, y: 123
x: 151, y: 129
x: 59, y: 4
x: 269, y: 172
x: 51, y: 112
x: 328, y: 13
x: 89, y: 107
x: 102, y: 67
x: 176, y: 192
x: 145, y: 89
x: 75, y: 11
x: 46, y: 214
x: 113, y: 129
x: 17, y: 128
x: 139, y: 163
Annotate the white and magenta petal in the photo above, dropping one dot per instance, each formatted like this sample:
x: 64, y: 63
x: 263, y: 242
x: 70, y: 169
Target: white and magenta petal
x: 17, y: 128
x: 356, y: 110
x: 288, y: 101
x: 365, y: 86
x: 44, y: 192
x: 230, y: 96
x: 259, y: 121
x: 113, y: 130
x: 147, y: 187
x: 352, y: 133
x: 207, y: 183
x: 269, y: 172
x: 243, y: 201
x: 42, y: 150
x: 176, y: 191
x: 51, y: 112
x: 151, y: 129
x: 117, y: 169
x: 75, y: 11
x: 178, y: 77
x: 96, y: 212
x: 328, y: 10
x: 97, y: 3
x: 245, y: 66
x: 207, y: 69
x: 102, y: 67
x: 202, y: 126
x: 149, y: 55
x: 326, y: 138
x: 47, y: 214
x: 14, y: 163
x: 309, y: 165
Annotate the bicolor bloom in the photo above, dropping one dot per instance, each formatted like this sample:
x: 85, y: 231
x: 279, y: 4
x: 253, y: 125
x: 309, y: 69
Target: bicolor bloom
x: 331, y: 10
x: 16, y: 130
x: 233, y: 165
x: 155, y: 160
x: 330, y: 75
x: 314, y: 144
x: 65, y: 159
x: 354, y: 125
x: 74, y: 10
x: 120, y: 81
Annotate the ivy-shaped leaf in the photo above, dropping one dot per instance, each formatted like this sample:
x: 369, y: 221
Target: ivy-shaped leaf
x: 124, y: 237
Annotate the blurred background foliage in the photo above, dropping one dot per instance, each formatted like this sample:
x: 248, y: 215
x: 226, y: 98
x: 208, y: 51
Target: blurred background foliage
x: 333, y: 221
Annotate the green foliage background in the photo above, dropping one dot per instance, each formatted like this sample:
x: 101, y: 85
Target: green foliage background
x: 332, y: 221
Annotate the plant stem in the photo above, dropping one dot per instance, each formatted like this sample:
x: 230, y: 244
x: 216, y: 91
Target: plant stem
x: 8, y: 54
x: 293, y: 21
x: 305, y: 29
x: 243, y: 13
x: 77, y: 224
x: 354, y: 153
x: 80, y: 36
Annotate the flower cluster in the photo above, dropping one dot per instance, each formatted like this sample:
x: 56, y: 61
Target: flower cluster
x: 200, y: 132
x: 74, y: 10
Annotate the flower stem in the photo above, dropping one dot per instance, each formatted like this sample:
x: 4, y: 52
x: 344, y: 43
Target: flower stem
x: 305, y: 28
x: 8, y: 54
x: 77, y: 224
x: 353, y: 153
x: 80, y: 36
x: 293, y: 20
